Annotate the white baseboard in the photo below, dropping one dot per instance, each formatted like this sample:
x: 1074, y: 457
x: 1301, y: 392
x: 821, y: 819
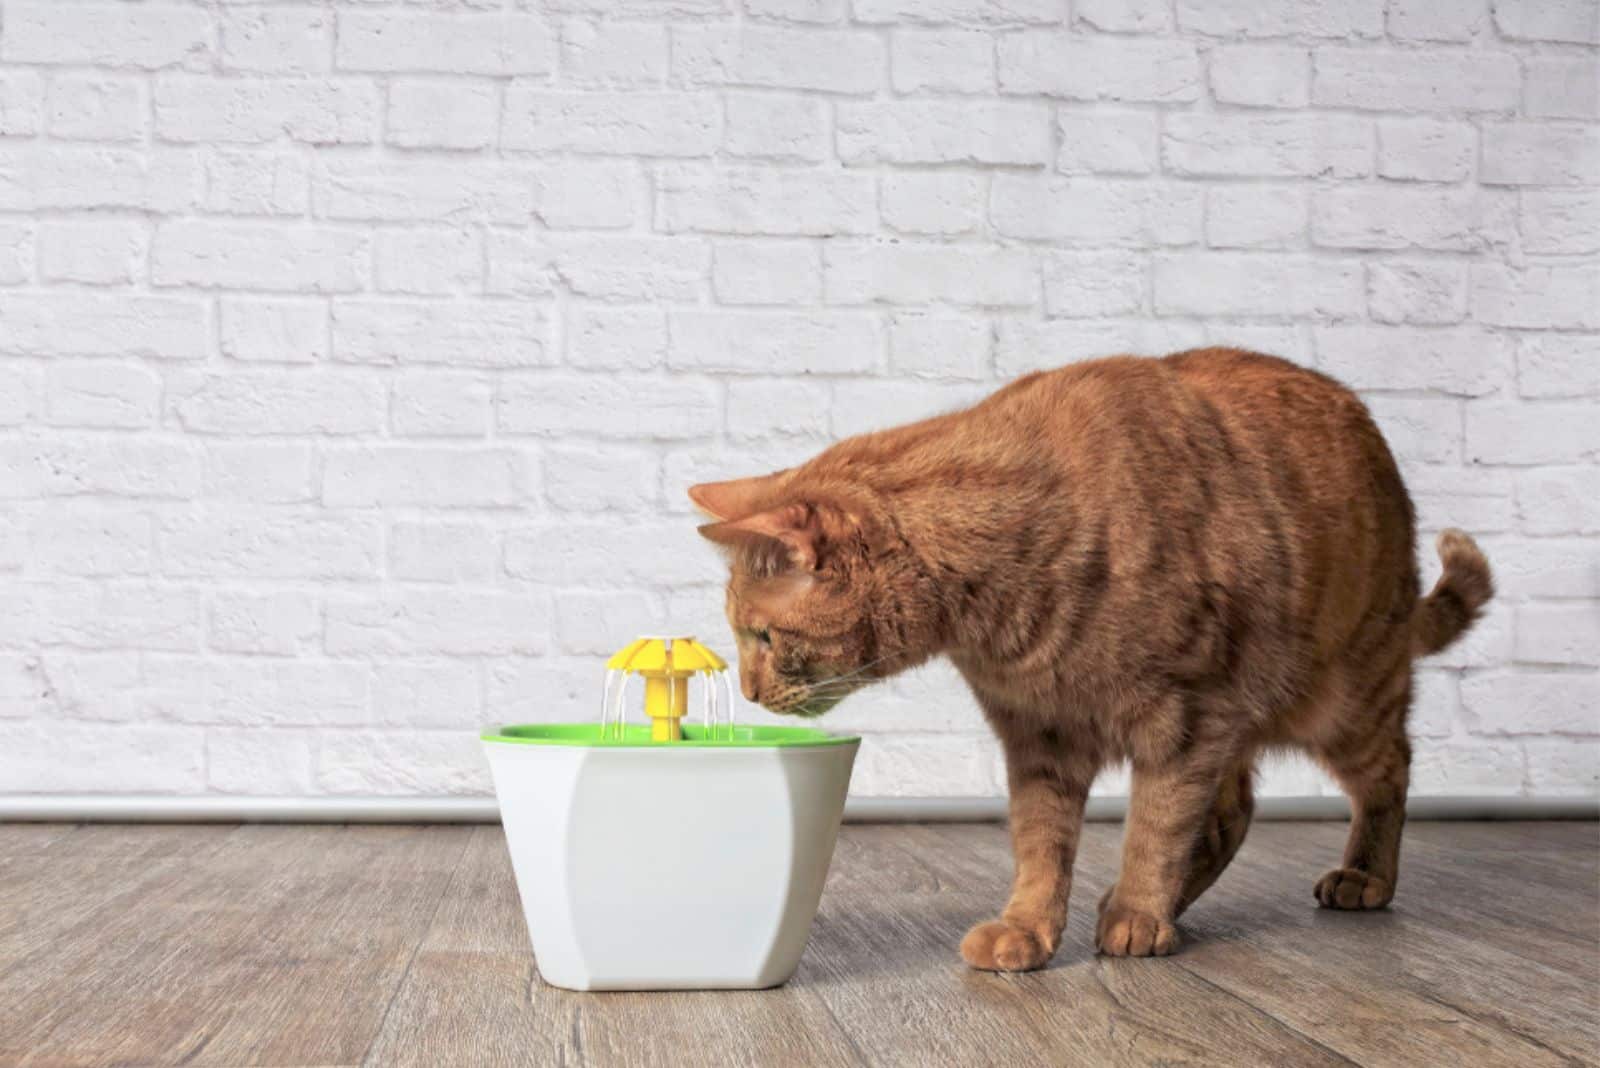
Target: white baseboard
x: 90, y: 808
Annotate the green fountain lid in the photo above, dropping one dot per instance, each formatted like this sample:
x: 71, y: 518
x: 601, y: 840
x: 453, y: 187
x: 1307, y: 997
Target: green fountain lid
x: 637, y: 736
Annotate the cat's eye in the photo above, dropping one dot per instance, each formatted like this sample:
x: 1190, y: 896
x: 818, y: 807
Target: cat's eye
x: 762, y: 635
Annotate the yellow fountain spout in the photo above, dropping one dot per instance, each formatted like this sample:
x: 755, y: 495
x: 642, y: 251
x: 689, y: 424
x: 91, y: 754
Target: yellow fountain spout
x: 666, y: 664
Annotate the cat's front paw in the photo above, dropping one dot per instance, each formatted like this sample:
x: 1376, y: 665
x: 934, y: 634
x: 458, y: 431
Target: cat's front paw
x: 1128, y: 932
x: 1347, y: 888
x: 998, y: 946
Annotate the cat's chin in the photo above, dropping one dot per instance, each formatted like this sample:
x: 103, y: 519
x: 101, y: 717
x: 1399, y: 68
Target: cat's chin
x: 809, y: 709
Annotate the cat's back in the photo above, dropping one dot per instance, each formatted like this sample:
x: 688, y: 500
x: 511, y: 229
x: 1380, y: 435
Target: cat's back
x: 1229, y: 406
x: 1266, y: 388
x: 1268, y: 428
x: 1311, y: 431
x: 1229, y: 380
x: 1238, y: 451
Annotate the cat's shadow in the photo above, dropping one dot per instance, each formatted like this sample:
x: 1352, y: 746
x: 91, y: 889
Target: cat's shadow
x: 916, y: 938
x: 921, y: 936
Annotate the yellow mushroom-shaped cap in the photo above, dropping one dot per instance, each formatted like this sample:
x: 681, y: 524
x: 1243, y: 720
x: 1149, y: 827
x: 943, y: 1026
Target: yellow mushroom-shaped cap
x: 690, y: 655
x: 665, y: 656
x: 623, y: 657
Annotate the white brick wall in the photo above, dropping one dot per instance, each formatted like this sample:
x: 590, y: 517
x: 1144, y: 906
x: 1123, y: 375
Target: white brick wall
x: 355, y: 354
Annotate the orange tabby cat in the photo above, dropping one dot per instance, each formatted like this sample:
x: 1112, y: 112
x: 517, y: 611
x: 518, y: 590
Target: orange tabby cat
x: 1177, y: 562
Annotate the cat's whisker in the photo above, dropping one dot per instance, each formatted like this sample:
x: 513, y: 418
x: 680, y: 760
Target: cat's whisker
x: 838, y: 686
x: 849, y: 675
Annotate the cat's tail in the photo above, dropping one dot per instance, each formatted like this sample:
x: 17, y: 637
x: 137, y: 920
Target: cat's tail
x: 1457, y: 599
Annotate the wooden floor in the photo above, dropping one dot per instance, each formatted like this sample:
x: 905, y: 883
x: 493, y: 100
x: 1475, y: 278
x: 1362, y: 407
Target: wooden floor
x: 285, y: 945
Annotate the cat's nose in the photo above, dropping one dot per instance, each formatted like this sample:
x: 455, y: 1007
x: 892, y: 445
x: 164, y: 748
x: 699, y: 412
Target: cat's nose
x: 747, y: 686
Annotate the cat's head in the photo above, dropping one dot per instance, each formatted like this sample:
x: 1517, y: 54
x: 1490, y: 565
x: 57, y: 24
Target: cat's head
x: 822, y: 592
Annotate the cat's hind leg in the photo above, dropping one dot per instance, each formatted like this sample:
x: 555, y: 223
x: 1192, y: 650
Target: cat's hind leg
x: 1222, y: 833
x: 1169, y: 810
x: 1372, y: 765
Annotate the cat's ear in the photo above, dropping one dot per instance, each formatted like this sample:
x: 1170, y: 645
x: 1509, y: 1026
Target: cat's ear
x: 792, y: 533
x: 734, y: 499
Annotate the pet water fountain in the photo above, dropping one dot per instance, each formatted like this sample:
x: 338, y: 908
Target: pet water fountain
x: 669, y: 854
